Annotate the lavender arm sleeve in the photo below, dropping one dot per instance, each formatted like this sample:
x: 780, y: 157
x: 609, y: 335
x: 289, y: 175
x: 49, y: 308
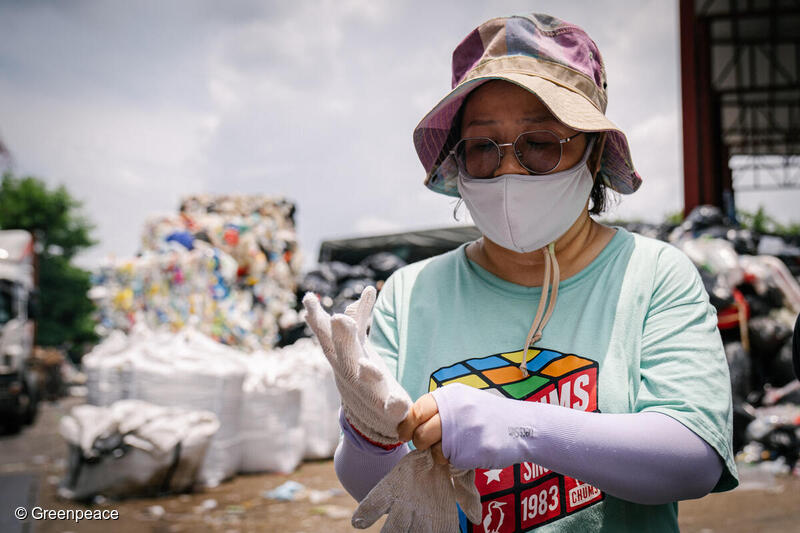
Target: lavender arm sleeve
x: 360, y: 465
x: 645, y: 457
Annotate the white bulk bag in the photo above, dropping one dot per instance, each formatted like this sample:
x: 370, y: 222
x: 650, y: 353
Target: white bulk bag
x: 190, y: 370
x: 133, y: 448
x: 309, y: 371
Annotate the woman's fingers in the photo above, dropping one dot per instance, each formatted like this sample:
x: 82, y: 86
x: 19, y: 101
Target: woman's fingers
x: 428, y: 433
x: 422, y: 410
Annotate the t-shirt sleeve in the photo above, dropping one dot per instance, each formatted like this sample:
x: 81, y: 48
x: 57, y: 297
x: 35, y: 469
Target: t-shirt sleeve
x: 684, y: 373
x: 383, y: 334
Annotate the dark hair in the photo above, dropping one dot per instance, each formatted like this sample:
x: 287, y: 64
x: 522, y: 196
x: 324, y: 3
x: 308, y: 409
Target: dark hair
x: 599, y: 197
x: 602, y: 196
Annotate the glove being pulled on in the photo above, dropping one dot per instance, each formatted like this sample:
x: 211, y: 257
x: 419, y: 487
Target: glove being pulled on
x: 420, y: 496
x: 372, y: 400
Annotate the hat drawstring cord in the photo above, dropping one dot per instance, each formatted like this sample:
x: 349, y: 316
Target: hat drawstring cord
x: 539, y: 321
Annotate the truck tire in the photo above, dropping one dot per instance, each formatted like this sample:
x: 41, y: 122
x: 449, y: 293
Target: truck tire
x: 28, y: 414
x: 11, y: 423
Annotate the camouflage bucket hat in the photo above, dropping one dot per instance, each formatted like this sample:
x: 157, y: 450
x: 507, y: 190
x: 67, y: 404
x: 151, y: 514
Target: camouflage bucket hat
x: 556, y: 61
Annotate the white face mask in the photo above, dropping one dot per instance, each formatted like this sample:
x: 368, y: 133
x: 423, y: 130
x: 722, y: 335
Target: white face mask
x: 523, y: 212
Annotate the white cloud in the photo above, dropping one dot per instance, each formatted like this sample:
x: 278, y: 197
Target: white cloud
x: 134, y: 105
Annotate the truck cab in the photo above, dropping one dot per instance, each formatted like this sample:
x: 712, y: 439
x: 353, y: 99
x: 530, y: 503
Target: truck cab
x: 18, y: 386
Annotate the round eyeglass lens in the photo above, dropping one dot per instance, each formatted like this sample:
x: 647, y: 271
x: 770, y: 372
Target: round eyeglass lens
x: 479, y: 156
x: 538, y: 151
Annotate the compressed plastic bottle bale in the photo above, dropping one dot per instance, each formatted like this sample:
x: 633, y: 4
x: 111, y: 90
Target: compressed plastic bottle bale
x: 184, y: 238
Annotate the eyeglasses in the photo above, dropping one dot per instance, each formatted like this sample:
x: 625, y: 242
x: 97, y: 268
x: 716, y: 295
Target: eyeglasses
x: 538, y: 152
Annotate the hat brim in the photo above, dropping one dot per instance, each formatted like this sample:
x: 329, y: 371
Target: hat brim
x: 433, y: 136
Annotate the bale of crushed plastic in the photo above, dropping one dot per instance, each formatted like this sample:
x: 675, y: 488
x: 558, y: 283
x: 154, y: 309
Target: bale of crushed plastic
x: 227, y: 265
x: 133, y: 448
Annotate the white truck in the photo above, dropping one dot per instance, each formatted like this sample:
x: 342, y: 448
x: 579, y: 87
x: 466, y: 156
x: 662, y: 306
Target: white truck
x: 18, y: 383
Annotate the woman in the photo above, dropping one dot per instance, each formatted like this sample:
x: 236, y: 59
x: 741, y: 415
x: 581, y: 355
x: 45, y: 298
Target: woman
x: 574, y: 367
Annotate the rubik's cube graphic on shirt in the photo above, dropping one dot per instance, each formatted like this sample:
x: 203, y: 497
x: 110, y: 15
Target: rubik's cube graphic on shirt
x: 524, y: 496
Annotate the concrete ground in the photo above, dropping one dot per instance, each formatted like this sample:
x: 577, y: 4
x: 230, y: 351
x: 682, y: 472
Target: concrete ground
x: 238, y: 506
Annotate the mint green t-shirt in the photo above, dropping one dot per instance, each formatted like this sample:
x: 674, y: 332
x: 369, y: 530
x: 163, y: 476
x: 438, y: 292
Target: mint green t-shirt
x: 632, y: 332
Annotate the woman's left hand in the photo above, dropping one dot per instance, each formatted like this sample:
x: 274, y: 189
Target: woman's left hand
x: 423, y: 427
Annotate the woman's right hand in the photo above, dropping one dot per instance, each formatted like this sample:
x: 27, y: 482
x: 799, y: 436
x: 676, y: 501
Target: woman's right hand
x: 423, y: 427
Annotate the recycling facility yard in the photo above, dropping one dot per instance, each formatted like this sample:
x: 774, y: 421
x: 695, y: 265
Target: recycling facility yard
x: 764, y: 503
x: 208, y: 406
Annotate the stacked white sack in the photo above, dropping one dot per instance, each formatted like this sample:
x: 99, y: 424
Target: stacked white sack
x: 193, y: 371
x: 308, y: 370
x: 273, y: 440
x: 108, y: 367
x: 134, y: 448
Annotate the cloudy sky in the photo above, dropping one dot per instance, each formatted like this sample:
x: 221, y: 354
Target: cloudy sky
x: 132, y: 105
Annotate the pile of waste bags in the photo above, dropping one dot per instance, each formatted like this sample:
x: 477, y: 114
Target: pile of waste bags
x: 134, y: 448
x: 274, y: 408
x: 226, y: 265
x: 752, y: 281
x: 339, y: 284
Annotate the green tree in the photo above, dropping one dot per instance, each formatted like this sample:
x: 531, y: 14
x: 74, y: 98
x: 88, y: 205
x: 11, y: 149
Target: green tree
x: 61, y: 231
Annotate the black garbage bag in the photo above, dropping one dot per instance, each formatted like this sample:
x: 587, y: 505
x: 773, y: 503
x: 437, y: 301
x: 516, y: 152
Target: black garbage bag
x: 292, y: 333
x: 321, y: 281
x: 761, y: 304
x: 341, y: 303
x: 352, y: 288
x: 767, y: 337
x: 744, y: 241
x: 783, y: 441
x: 740, y: 368
x: 779, y: 371
x: 383, y: 264
x: 719, y: 292
x: 705, y: 216
x: 742, y: 416
x: 796, y: 348
x: 343, y: 271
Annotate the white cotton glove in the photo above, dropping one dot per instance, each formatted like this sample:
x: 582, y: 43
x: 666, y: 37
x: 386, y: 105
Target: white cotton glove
x: 420, y: 496
x: 372, y: 400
